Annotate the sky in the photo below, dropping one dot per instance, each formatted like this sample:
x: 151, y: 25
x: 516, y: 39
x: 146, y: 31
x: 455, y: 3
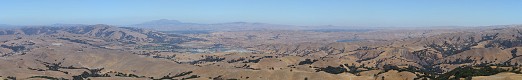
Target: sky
x: 292, y: 12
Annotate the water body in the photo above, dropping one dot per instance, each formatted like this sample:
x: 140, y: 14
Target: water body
x: 215, y: 48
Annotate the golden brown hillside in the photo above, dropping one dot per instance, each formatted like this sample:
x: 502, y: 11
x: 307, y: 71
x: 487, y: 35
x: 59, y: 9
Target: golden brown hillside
x: 109, y: 52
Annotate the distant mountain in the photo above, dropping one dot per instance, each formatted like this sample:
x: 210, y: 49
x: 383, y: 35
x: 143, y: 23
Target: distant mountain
x: 6, y: 26
x: 66, y: 25
x: 163, y: 21
x: 174, y: 25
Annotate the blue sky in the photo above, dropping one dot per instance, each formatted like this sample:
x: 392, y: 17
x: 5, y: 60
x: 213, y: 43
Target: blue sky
x: 293, y: 12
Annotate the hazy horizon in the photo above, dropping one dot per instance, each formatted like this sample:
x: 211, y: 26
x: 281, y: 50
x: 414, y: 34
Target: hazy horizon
x: 401, y: 13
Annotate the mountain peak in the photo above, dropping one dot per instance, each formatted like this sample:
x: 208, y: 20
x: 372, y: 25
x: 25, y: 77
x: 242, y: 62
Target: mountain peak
x: 101, y: 25
x: 164, y: 21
